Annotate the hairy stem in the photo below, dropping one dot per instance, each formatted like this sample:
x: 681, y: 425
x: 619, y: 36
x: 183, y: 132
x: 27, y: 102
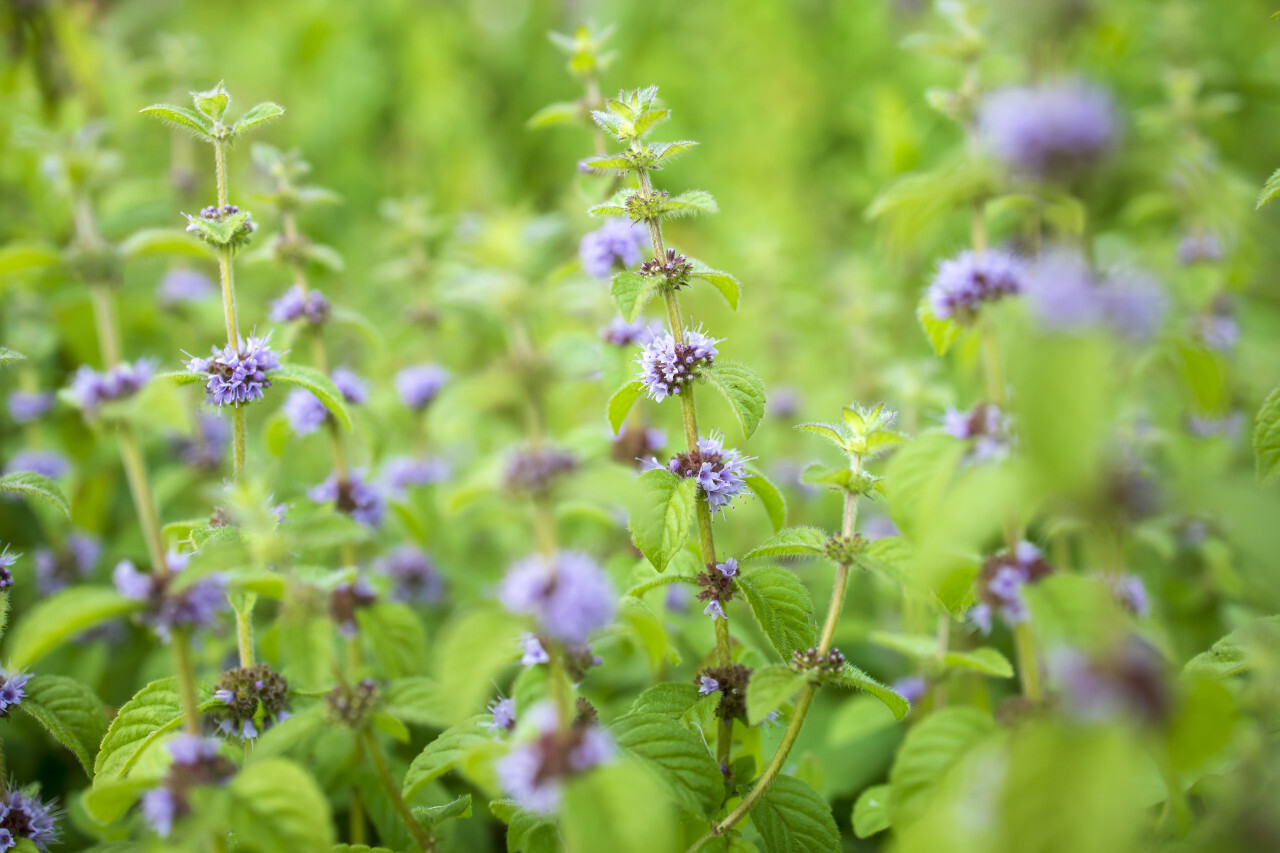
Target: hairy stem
x: 244, y: 636
x: 1024, y: 641
x: 419, y: 833
x: 140, y: 488
x: 186, y: 682
x: 238, y: 441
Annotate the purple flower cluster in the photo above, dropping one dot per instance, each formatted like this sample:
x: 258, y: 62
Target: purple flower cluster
x: 613, y: 246
x: 204, y: 451
x: 253, y: 698
x: 985, y: 425
x: 999, y: 586
x: 420, y: 385
x: 534, y: 773
x: 667, y: 366
x: 1199, y: 247
x: 534, y: 470
x: 1065, y: 295
x: 1129, y: 592
x: 12, y: 690
x: 718, y: 587
x: 1128, y: 681
x: 503, y: 711
x: 238, y: 376
x: 56, y: 570
x: 357, y: 497
x: 27, y: 406
x: 195, y: 762
x: 181, y: 286
x: 964, y: 283
x: 1050, y: 132
x: 401, y: 472
x: 568, y: 593
x: 1218, y: 327
x: 92, y: 389
x: 190, y: 608
x: 720, y: 472
x: 416, y: 577
x: 6, y: 563
x: 299, y: 304
x: 620, y: 333
x: 532, y: 652
x: 26, y: 816
x: 348, y: 598
x: 46, y: 463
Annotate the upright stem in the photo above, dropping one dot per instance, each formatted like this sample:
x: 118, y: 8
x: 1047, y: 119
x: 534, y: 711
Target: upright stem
x: 420, y: 835
x: 244, y: 638
x: 1024, y: 641
x: 227, y: 279
x: 104, y: 318
x: 220, y: 167
x: 181, y: 643
x: 238, y: 441
x: 140, y: 488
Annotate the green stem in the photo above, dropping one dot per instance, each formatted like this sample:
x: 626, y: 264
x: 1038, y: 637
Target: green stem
x: 140, y: 488
x: 186, y: 682
x: 226, y: 278
x: 244, y: 636
x: 104, y: 319
x: 238, y: 441
x: 355, y: 819
x: 220, y: 166
x: 419, y: 833
x: 1024, y: 640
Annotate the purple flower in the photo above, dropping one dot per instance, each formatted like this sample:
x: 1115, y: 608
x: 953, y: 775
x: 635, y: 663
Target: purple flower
x: 567, y: 592
x: 879, y: 527
x: 354, y: 389
x: 1199, y: 247
x: 358, y: 498
x: 193, y: 607
x: 1129, y: 592
x: 1128, y: 681
x: 912, y: 688
x: 1218, y: 328
x: 92, y: 389
x: 719, y: 472
x: 419, y: 385
x: 238, y: 376
x: 12, y: 690
x: 205, y: 450
x: 534, y: 773
x: 196, y: 762
x: 250, y: 697
x: 159, y: 809
x: 715, y: 610
x: 666, y: 366
x: 532, y: 652
x: 183, y: 285
x: 1050, y: 132
x: 346, y: 599
x: 729, y: 568
x: 504, y: 715
x: 613, y: 246
x: 56, y: 571
x: 299, y: 304
x: 1065, y: 295
x: 707, y: 685
x: 999, y: 586
x: 677, y: 598
x: 304, y: 411
x: 401, y: 472
x: 27, y: 406
x: 25, y: 816
x: 534, y: 470
x: 43, y: 462
x: 784, y: 402
x: 415, y: 575
x: 1228, y: 426
x: 966, y: 281
x: 620, y: 333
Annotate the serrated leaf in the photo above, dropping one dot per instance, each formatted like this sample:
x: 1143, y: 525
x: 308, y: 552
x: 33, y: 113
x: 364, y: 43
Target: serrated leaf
x: 61, y: 616
x: 162, y: 242
x: 1271, y: 188
x: 433, y: 816
x: 678, y: 757
x: 941, y: 333
x: 770, y: 688
x: 660, y: 524
x: 278, y: 806
x: 18, y: 258
x: 563, y: 112
x: 1233, y: 654
x: 721, y: 281
x: 260, y: 114
x: 416, y: 700
x: 397, y: 636
x: 631, y: 292
x: 29, y: 484
x: 930, y: 749
x: 621, y: 402
x: 615, y: 206
x: 775, y: 505
x: 871, y: 811
x: 318, y: 384
x: 831, y: 432
x: 471, y: 651
x: 668, y: 699
x: 1266, y: 438
x: 70, y: 711
x: 8, y: 356
x: 852, y: 677
x: 606, y: 165
x: 791, y: 541
x: 791, y: 817
x: 781, y: 605
x: 182, y: 118
x: 986, y: 660
x: 742, y: 389
x: 666, y: 151
x: 153, y: 711
x: 442, y: 754
x: 689, y: 203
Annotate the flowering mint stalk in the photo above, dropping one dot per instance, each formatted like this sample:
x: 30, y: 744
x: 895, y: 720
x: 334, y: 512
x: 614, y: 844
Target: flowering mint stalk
x: 587, y: 60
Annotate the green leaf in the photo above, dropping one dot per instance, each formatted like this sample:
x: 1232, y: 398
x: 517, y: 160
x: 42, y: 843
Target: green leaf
x: 183, y: 377
x: 930, y: 749
x: 742, y: 388
x: 791, y: 541
x: 871, y: 811
x: 61, y: 616
x: 29, y: 485
x: 689, y: 203
x: 770, y: 688
x: 318, y: 384
x: 775, y: 505
x: 616, y: 808
x: 360, y: 848
x: 212, y: 103
x: 986, y: 660
x: 665, y: 151
x: 162, y: 242
x: 833, y: 433
x: 1235, y: 653
x: 916, y: 479
x: 71, y: 712
x: 722, y: 281
x: 153, y: 711
x: 260, y: 114
x: 670, y: 699
x: 564, y: 112
x: 941, y: 333
x: 852, y: 677
x: 527, y: 831
x: 433, y: 816
x: 677, y: 755
x: 1266, y: 438
x: 442, y: 754
x: 615, y: 206
x: 396, y: 634
x: 622, y: 401
x: 660, y: 525
x: 649, y: 630
x: 607, y: 165
x: 182, y: 118
x: 631, y: 291
x: 1271, y: 188
x: 24, y: 257
x: 7, y: 355
x: 471, y: 651
x: 278, y: 806
x: 791, y: 817
x: 416, y: 700
x: 107, y: 802
x: 781, y: 605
